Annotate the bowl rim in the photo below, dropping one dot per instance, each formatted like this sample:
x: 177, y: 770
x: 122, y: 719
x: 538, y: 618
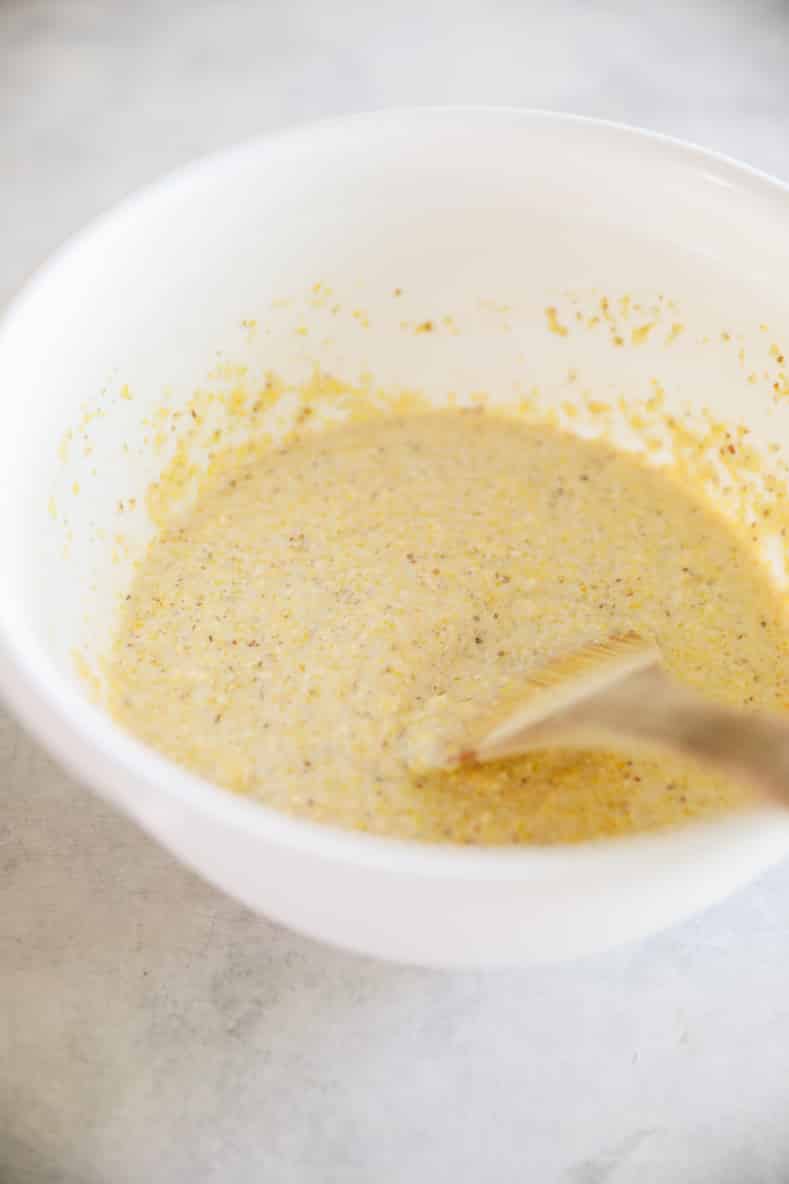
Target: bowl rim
x: 46, y: 701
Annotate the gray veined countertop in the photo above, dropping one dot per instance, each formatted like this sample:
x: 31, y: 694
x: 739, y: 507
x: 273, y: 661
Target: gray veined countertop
x: 151, y: 1029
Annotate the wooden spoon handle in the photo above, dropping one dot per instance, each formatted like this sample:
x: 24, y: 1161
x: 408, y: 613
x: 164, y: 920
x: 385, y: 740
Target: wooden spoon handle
x: 648, y: 709
x: 749, y: 746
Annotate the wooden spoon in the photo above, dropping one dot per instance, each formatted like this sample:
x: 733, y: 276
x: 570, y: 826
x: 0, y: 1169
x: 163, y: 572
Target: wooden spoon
x: 617, y: 694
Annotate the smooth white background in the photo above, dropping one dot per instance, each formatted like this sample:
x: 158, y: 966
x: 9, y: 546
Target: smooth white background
x: 152, y: 1030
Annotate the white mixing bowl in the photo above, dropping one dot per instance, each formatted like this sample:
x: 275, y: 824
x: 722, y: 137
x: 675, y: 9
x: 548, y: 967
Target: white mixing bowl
x: 483, y: 215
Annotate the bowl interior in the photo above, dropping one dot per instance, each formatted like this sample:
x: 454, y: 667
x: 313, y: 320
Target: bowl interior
x: 331, y: 247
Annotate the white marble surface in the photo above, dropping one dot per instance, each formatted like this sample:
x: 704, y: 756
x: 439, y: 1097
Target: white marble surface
x: 152, y: 1030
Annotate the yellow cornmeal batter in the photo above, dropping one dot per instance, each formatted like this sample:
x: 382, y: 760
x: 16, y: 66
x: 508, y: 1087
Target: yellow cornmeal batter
x: 321, y: 601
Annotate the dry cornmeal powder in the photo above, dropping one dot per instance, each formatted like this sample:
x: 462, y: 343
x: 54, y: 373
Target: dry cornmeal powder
x: 325, y: 598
